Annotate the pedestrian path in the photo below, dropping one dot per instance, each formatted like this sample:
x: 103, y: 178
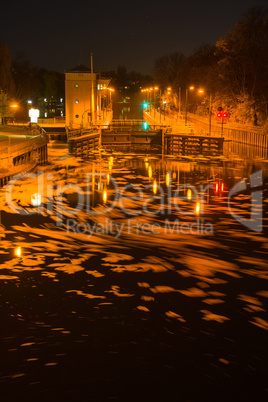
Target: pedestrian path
x: 176, y: 124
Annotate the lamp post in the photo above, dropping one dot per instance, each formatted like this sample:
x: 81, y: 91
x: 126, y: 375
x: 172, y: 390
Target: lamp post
x: 186, y: 102
x: 14, y: 106
x: 165, y: 103
x: 209, y: 111
x: 83, y: 116
x: 209, y: 126
x: 200, y: 91
x: 155, y: 89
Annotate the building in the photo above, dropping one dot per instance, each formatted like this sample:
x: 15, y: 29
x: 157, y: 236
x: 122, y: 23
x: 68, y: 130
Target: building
x: 87, y: 97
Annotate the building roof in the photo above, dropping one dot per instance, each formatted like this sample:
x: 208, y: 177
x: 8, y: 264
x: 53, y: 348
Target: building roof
x: 81, y: 68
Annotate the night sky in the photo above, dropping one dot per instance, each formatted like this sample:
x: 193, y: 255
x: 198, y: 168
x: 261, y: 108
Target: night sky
x: 58, y: 35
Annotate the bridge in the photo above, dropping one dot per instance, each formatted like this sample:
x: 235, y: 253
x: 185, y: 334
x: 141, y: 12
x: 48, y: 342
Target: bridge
x: 138, y: 135
x: 128, y: 135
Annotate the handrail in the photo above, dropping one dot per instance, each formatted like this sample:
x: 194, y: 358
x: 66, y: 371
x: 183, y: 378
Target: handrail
x: 12, y: 149
x: 28, y: 142
x: 81, y: 132
x: 127, y: 122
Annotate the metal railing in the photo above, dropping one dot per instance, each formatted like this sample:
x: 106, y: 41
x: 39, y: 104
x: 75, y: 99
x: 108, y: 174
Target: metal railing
x: 29, y: 142
x: 81, y: 132
x: 127, y: 122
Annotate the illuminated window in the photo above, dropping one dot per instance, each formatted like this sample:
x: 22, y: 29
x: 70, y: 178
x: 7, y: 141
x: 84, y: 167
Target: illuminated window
x: 76, y: 101
x: 99, y: 87
x: 61, y: 99
x: 76, y: 85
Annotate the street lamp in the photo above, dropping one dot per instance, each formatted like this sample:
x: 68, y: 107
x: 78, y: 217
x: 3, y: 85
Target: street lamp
x: 165, y: 104
x: 186, y: 102
x: 209, y: 111
x: 155, y: 89
x: 83, y: 117
x: 180, y: 88
x: 200, y: 91
x: 209, y: 126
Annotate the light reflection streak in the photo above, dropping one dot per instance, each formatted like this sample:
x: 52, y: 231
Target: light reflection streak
x: 104, y: 196
x: 189, y: 194
x: 155, y: 187
x: 18, y: 251
x: 150, y: 172
x: 167, y: 179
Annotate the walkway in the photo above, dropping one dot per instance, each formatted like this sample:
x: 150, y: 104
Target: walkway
x: 176, y: 123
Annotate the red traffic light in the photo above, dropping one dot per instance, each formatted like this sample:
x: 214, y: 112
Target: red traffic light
x: 225, y: 114
x: 219, y: 114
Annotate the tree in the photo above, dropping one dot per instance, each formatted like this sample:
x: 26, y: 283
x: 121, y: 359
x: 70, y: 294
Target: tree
x: 169, y: 70
x: 201, y: 69
x: 27, y: 79
x: 243, y: 61
x: 5, y: 109
x: 121, y: 76
x: 52, y: 82
x: 6, y: 81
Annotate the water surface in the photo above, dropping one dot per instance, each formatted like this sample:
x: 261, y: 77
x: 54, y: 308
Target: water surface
x: 134, y: 303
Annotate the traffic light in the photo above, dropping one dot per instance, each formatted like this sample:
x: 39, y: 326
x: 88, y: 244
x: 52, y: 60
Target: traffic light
x: 221, y: 114
x: 145, y: 105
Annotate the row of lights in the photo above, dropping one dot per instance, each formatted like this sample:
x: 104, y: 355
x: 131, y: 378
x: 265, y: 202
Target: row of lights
x: 149, y: 89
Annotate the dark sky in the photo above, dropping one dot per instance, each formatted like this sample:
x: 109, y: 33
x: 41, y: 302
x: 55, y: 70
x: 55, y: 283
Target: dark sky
x: 58, y: 35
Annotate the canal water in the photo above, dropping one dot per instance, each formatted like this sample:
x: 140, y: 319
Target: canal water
x: 138, y: 277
